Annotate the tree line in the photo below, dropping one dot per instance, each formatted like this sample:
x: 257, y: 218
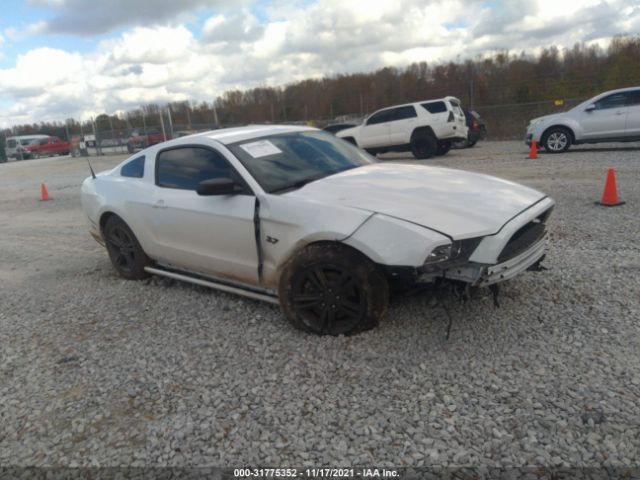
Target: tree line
x: 488, y: 84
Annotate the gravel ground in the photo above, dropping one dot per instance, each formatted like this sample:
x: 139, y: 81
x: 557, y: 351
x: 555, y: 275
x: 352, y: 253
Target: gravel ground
x: 96, y: 370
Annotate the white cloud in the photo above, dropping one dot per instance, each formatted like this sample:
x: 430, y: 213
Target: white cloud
x: 91, y: 17
x: 167, y: 62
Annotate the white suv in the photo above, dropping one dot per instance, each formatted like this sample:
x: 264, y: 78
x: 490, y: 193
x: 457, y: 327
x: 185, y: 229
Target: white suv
x: 425, y: 128
x: 612, y: 116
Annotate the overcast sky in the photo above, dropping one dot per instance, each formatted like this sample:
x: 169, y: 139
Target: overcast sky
x: 77, y: 58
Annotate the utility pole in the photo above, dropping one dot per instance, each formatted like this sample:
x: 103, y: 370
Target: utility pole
x: 215, y: 115
x: 471, y: 93
x: 95, y: 136
x: 188, y: 115
x: 164, y: 133
x: 170, y: 121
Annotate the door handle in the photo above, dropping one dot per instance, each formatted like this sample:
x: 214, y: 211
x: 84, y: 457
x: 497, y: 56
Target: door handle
x: 160, y: 204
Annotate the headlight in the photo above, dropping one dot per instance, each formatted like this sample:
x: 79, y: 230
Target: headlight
x: 453, y: 253
x: 440, y: 254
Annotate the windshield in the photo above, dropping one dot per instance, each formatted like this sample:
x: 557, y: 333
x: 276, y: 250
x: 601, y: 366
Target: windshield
x: 290, y: 160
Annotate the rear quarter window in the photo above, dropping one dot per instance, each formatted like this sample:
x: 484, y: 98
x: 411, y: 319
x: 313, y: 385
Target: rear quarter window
x: 435, y: 107
x: 11, y: 143
x: 133, y: 168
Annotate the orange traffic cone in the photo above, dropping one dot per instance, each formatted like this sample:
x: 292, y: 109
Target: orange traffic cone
x: 44, y: 195
x: 610, y: 194
x: 533, y: 153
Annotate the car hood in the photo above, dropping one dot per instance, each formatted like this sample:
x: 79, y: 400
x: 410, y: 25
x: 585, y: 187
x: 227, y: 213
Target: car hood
x: 348, y: 132
x: 454, y: 202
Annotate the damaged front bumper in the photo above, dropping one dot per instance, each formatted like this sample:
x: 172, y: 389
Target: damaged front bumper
x: 480, y: 275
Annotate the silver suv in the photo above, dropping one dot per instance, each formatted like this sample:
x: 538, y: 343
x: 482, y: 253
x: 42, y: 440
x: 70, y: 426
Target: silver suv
x: 612, y: 116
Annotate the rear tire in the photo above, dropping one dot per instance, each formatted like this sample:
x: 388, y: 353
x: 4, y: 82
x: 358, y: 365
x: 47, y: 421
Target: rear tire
x: 330, y: 289
x: 424, y: 146
x: 556, y: 140
x: 125, y: 252
x: 443, y: 147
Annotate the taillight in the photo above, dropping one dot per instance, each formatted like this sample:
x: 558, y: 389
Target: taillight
x: 450, y: 119
x: 474, y: 124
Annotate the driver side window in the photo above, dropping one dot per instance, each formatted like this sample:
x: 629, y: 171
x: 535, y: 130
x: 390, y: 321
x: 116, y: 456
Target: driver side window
x: 185, y: 167
x: 615, y: 100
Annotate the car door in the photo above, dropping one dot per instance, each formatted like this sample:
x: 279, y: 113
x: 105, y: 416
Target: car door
x: 608, y: 119
x: 47, y: 147
x: 404, y: 122
x: 213, y: 235
x: 55, y: 146
x: 633, y: 115
x: 375, y: 132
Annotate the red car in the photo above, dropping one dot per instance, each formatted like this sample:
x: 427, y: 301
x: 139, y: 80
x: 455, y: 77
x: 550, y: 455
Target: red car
x: 141, y: 138
x: 47, y: 147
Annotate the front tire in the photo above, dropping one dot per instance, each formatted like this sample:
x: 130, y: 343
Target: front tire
x: 424, y: 146
x: 557, y: 140
x: 125, y: 252
x: 443, y: 147
x: 331, y: 289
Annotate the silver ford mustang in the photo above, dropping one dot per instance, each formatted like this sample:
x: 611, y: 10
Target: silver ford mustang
x: 296, y: 216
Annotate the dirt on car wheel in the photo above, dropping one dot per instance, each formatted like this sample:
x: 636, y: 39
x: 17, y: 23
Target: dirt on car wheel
x: 557, y: 140
x: 423, y: 146
x: 125, y: 253
x: 443, y: 147
x: 331, y: 289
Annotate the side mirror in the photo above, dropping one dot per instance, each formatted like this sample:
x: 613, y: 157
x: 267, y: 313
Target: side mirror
x: 218, y: 186
x: 590, y: 108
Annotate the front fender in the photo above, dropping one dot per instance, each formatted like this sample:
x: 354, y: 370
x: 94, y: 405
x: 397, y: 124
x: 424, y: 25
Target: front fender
x: 394, y: 242
x: 539, y: 129
x: 288, y: 224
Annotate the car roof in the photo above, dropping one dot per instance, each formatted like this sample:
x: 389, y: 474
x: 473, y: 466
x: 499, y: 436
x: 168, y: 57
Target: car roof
x: 30, y: 136
x: 619, y: 90
x: 448, y: 98
x: 238, y: 134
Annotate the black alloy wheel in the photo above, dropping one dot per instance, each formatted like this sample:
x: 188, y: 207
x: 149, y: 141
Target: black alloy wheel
x: 424, y: 146
x: 328, y: 299
x: 126, y: 254
x: 331, y: 289
x: 122, y: 248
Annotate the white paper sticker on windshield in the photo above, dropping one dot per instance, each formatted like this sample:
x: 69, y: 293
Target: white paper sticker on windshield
x: 261, y: 148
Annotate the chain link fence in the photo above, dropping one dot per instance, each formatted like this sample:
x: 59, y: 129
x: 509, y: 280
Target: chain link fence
x: 119, y: 134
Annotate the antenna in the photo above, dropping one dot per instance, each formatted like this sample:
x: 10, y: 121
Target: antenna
x: 93, y: 174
